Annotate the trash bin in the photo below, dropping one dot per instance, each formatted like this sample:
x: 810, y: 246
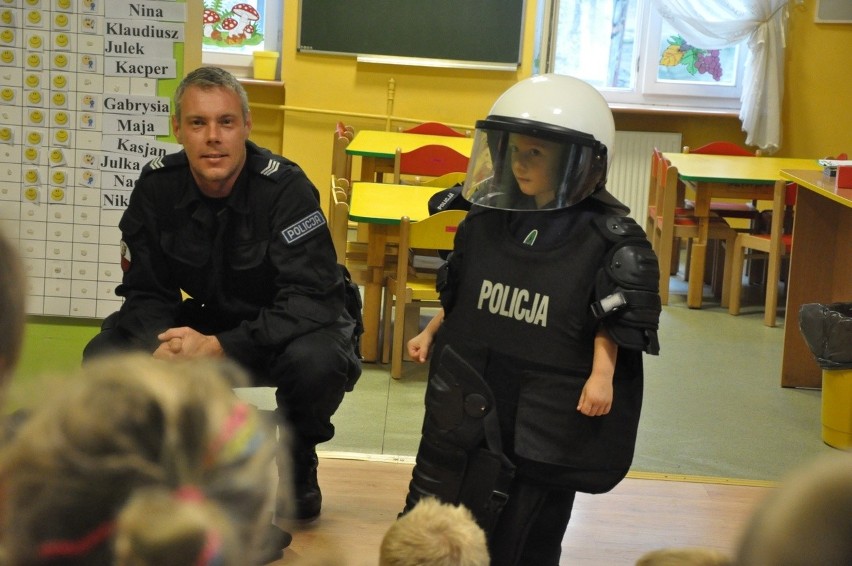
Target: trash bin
x: 827, y: 330
x: 837, y: 408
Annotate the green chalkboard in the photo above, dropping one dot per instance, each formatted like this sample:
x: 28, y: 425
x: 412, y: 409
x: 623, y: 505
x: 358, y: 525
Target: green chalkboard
x: 470, y: 31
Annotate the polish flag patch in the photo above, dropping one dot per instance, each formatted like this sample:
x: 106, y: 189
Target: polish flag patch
x: 125, y: 256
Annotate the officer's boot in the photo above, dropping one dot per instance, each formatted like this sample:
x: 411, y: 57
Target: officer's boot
x: 307, y: 495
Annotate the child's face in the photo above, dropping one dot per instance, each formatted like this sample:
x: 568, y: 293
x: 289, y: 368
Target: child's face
x: 535, y: 164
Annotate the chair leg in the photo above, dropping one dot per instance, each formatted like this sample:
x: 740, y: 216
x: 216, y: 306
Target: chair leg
x: 398, y: 336
x: 773, y: 276
x: 663, y: 256
x: 728, y: 270
x: 736, y: 277
x: 386, y: 320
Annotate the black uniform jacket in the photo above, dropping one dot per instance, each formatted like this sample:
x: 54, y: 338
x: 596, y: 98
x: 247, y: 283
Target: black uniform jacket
x: 259, y: 265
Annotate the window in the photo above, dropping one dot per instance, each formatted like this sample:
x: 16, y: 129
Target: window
x: 234, y: 29
x: 626, y: 50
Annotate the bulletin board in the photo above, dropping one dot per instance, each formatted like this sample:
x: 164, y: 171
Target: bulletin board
x: 477, y: 33
x: 85, y: 101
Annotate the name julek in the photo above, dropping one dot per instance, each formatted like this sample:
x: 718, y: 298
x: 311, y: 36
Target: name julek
x: 512, y: 302
x: 124, y: 48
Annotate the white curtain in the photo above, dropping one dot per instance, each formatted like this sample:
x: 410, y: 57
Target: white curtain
x: 720, y: 23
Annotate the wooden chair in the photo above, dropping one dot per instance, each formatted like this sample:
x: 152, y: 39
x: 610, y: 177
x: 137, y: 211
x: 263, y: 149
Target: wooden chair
x: 341, y: 162
x: 673, y: 222
x: 350, y: 251
x: 405, y: 287
x: 765, y: 244
x: 428, y: 161
x: 434, y: 129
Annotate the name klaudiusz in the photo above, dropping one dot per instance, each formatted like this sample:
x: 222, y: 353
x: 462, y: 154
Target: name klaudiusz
x: 303, y: 227
x: 512, y: 302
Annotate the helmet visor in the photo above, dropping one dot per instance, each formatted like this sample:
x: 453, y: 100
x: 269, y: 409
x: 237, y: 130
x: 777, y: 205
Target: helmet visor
x: 518, y: 165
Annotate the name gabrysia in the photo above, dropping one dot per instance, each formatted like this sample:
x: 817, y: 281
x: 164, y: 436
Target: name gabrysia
x: 512, y: 302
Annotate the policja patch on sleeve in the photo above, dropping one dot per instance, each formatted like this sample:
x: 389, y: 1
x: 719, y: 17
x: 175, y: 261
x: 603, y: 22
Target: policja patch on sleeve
x: 303, y: 228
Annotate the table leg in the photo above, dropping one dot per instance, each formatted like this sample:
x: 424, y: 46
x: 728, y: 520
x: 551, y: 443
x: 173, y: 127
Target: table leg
x: 372, y: 307
x: 775, y: 245
x: 368, y: 169
x: 698, y: 258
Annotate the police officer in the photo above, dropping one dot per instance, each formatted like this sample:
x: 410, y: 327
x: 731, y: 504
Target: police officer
x: 240, y: 231
x: 549, y: 298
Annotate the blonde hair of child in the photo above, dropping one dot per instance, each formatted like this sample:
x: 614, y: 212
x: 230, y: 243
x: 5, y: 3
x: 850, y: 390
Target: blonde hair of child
x: 129, y: 438
x: 434, y: 534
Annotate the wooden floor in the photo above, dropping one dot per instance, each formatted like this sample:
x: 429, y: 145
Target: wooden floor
x: 362, y: 498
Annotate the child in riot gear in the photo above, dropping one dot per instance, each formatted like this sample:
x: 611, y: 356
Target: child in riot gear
x: 549, y: 299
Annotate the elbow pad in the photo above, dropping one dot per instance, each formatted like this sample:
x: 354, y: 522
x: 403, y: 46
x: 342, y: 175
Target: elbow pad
x: 627, y: 298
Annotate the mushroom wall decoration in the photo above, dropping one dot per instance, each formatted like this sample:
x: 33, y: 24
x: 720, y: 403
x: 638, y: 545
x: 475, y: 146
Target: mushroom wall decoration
x: 210, y: 20
x: 245, y: 13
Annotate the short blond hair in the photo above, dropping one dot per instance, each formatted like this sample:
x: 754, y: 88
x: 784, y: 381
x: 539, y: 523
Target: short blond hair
x: 687, y: 556
x: 434, y: 534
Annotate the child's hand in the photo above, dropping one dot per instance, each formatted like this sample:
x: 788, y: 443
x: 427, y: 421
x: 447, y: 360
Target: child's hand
x: 596, y: 398
x: 418, y: 347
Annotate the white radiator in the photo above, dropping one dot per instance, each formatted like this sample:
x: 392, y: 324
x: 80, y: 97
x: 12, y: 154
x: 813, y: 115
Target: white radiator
x: 630, y: 170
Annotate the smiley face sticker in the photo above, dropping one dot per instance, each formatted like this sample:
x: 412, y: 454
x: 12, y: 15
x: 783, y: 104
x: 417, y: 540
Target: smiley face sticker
x: 34, y: 98
x: 6, y: 135
x: 59, y: 99
x: 7, y: 18
x: 36, y: 117
x: 62, y: 41
x: 7, y: 36
x: 31, y: 176
x: 60, y: 81
x: 56, y: 157
x: 60, y: 118
x: 60, y: 61
x: 60, y: 21
x: 57, y: 195
x: 31, y: 194
x: 61, y: 137
x: 32, y: 80
x: 34, y: 17
x: 7, y: 56
x: 34, y: 138
x: 7, y: 95
x: 31, y: 154
x: 34, y: 61
x: 35, y: 42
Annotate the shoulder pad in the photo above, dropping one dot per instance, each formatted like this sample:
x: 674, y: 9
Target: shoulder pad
x: 616, y: 228
x: 164, y: 163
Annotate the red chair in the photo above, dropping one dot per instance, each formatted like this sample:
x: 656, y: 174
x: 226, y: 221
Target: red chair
x: 434, y: 129
x: 761, y: 243
x: 428, y: 161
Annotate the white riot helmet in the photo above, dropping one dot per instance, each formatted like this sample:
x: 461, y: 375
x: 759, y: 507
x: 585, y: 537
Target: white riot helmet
x: 547, y: 143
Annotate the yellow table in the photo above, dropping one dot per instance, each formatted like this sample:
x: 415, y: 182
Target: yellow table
x: 377, y: 148
x: 820, y: 265
x: 733, y: 177
x: 381, y: 206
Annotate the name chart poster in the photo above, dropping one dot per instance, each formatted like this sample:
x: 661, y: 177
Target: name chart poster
x: 84, y: 103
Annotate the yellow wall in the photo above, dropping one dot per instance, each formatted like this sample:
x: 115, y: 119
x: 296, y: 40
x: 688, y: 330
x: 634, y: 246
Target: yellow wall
x: 815, y: 119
